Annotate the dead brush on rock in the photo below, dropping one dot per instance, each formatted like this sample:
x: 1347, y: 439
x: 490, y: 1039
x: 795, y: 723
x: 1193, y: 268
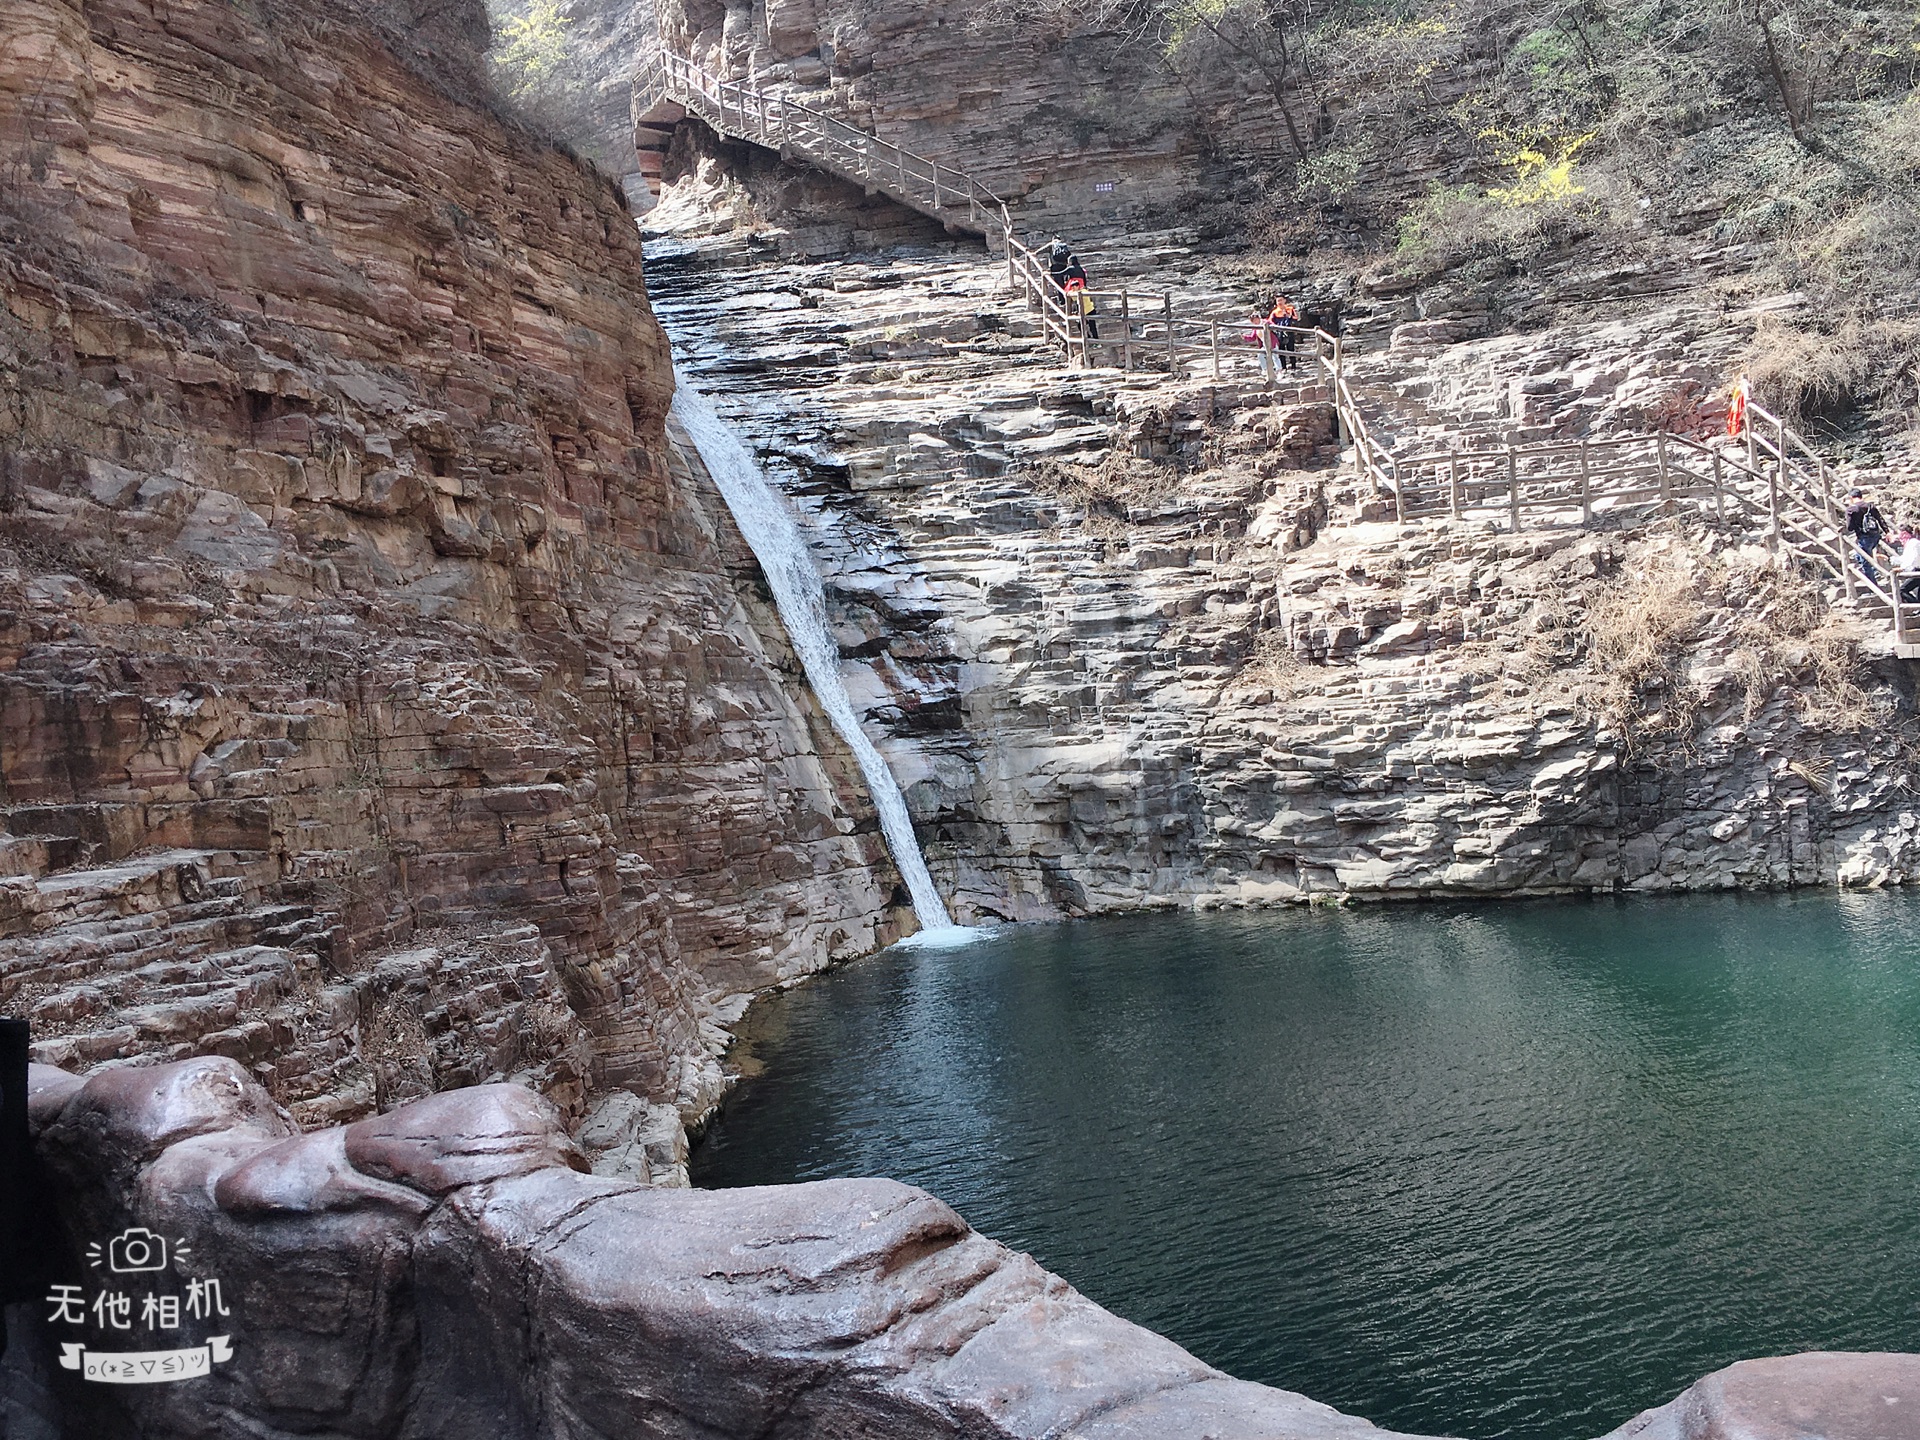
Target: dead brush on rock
x: 1556, y: 636
x: 396, y: 1049
x: 1637, y: 633
x: 1790, y: 638
x: 1272, y: 665
x: 1800, y: 371
x: 1107, y: 492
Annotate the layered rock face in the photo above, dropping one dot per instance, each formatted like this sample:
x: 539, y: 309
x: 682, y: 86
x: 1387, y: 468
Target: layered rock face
x: 1136, y: 645
x: 590, y: 98
x: 387, y: 705
x: 1075, y: 118
x: 1077, y: 133
x: 445, y: 1269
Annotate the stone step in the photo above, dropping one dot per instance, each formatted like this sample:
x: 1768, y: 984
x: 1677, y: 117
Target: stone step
x: 31, y: 856
x: 143, y: 884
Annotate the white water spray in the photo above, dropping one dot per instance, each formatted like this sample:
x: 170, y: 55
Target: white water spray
x: 801, y: 598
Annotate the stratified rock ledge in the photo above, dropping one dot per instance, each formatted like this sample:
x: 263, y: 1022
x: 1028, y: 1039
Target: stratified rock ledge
x: 448, y: 1269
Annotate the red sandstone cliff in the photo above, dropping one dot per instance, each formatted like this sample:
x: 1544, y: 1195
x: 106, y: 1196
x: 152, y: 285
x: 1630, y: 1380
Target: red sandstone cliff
x: 382, y: 702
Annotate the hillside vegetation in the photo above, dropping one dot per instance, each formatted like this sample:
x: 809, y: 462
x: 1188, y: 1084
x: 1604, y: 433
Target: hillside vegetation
x: 1483, y: 138
x: 563, y: 68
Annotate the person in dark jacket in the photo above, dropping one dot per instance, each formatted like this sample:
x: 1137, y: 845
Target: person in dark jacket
x: 1075, y: 287
x: 1282, y: 320
x: 1866, y: 527
x: 1059, y: 257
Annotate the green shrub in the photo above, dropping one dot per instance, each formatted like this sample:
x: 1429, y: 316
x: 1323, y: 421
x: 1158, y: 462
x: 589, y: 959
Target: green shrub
x: 1333, y: 173
x: 531, y: 55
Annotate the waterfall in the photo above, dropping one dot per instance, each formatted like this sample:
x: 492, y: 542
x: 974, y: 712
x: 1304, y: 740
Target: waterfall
x: 801, y: 599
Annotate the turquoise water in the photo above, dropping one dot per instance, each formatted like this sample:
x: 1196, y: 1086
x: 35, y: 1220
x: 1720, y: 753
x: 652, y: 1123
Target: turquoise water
x: 1515, y: 1170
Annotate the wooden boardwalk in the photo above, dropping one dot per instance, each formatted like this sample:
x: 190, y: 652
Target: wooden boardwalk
x: 1769, y: 480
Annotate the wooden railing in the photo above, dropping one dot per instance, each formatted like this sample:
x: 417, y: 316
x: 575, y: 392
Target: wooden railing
x: 1770, y: 479
x: 1810, y: 522
x: 745, y: 111
x: 1780, y: 483
x: 1140, y: 330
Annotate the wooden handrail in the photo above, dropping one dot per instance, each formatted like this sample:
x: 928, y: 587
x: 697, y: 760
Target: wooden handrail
x: 1769, y: 481
x: 746, y: 111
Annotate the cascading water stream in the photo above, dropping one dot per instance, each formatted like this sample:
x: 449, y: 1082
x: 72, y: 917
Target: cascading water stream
x: 801, y: 598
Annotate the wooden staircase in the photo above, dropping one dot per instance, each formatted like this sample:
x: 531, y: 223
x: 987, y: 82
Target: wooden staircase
x: 743, y: 111
x: 1769, y: 477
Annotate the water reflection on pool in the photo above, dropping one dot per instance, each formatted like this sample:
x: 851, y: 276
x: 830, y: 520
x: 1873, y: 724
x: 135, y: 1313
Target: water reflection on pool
x: 1497, y: 1170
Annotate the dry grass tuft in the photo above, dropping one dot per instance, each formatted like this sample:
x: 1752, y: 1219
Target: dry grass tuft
x: 1273, y: 665
x: 1766, y: 630
x: 1637, y: 632
x: 1817, y: 773
x: 1836, y: 700
x: 1791, y: 638
x: 395, y: 1047
x: 1109, y: 491
x: 1799, y: 372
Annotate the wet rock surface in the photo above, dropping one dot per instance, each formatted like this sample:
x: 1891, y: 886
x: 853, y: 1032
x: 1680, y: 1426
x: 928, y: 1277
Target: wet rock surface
x: 1138, y: 644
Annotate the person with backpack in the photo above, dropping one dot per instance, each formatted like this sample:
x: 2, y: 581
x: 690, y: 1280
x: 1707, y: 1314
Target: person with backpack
x: 1059, y: 258
x: 1866, y: 527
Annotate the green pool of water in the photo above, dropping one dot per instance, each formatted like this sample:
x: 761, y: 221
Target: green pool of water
x: 1514, y: 1170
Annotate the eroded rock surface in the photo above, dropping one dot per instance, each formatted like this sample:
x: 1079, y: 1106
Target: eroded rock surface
x: 447, y: 1269
x: 386, y: 706
x: 1139, y: 644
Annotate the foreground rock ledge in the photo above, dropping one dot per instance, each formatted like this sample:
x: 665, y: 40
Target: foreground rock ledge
x: 447, y: 1269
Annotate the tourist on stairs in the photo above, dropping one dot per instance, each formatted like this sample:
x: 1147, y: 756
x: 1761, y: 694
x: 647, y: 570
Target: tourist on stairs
x: 1059, y: 257
x: 1262, y: 337
x: 1078, y: 300
x: 1867, y: 527
x: 1907, y: 561
x: 1282, y: 320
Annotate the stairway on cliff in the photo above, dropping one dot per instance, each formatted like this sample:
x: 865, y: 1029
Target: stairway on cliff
x: 1401, y: 425
x: 1110, y: 739
x: 917, y: 476
x: 1432, y: 428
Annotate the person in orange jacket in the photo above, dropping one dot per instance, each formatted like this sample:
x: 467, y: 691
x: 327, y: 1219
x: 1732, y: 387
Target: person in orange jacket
x: 1282, y: 320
